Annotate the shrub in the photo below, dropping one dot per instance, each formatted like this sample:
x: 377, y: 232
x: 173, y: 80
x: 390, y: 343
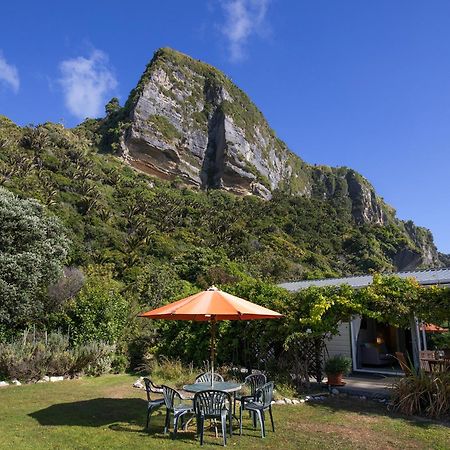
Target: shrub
x: 422, y: 393
x: 99, y: 312
x: 30, y: 359
x: 33, y: 248
x: 94, y: 358
x: 23, y: 361
x: 338, y: 364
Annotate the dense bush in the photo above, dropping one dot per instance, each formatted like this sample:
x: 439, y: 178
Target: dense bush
x: 33, y: 248
x: 27, y: 358
x: 99, y: 312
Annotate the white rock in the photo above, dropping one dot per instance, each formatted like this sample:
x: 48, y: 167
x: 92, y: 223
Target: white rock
x: 4, y: 383
x: 138, y: 385
x: 16, y: 382
x: 288, y: 401
x: 41, y: 381
x: 280, y: 402
x: 46, y: 378
x: 335, y: 391
x: 54, y: 379
x: 302, y: 400
x: 273, y: 402
x: 295, y: 401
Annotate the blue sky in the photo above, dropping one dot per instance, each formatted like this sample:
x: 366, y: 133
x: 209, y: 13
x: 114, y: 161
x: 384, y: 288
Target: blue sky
x: 365, y: 84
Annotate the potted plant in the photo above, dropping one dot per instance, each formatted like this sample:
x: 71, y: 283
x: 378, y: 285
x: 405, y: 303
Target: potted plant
x: 336, y: 367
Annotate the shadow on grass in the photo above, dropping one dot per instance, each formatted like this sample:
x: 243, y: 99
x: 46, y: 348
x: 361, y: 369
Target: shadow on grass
x: 97, y: 412
x: 118, y: 414
x: 127, y: 415
x: 372, y: 408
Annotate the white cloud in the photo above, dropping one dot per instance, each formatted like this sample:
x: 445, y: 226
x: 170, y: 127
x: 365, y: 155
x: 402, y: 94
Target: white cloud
x: 242, y: 19
x: 9, y: 74
x: 86, y: 84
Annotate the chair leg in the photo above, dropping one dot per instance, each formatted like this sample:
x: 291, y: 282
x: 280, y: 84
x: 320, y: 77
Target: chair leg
x: 263, y: 422
x: 240, y: 421
x: 148, y: 417
x: 258, y: 412
x: 230, y: 418
x: 167, y: 423
x: 253, y: 418
x: 224, y: 430
x: 202, y: 429
x: 271, y: 418
x: 175, y: 424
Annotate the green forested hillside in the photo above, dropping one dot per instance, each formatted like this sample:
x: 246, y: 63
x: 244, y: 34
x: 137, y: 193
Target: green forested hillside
x: 120, y: 217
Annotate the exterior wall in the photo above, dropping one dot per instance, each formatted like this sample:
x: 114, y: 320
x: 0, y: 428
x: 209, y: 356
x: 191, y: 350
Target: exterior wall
x: 340, y: 344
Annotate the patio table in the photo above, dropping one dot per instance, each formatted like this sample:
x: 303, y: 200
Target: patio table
x: 218, y: 386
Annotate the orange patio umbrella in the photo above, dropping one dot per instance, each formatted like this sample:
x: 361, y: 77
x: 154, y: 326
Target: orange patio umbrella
x: 211, y: 305
x: 431, y: 328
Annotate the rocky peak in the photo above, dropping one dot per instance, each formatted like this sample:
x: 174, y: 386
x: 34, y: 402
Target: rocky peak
x: 188, y: 120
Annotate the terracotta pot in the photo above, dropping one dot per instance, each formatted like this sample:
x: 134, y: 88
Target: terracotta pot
x: 335, y: 379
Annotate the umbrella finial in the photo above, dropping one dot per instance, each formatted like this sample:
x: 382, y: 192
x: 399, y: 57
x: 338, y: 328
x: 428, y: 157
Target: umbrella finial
x: 212, y: 288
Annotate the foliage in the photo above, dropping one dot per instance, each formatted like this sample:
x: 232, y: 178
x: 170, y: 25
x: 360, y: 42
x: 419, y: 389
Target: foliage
x: 423, y: 394
x: 99, y: 312
x: 441, y: 340
x: 112, y: 106
x: 115, y: 215
x: 33, y: 248
x: 70, y: 283
x: 391, y: 299
x: 162, y: 125
x: 160, y: 241
x: 172, y: 371
x: 156, y: 283
x: 27, y: 358
x: 338, y: 364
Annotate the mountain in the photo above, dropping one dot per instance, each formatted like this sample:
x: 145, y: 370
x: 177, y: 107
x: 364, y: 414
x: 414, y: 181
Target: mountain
x: 187, y: 119
x: 150, y: 190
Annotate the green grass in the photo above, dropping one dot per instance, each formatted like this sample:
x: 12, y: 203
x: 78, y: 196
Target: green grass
x: 108, y: 413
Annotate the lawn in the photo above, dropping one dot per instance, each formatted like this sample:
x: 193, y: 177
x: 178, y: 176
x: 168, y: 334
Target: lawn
x: 107, y: 412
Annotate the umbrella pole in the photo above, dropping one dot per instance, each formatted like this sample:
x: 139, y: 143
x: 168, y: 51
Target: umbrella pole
x: 213, y: 343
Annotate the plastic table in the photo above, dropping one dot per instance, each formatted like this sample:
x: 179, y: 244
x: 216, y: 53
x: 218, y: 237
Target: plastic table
x: 217, y: 386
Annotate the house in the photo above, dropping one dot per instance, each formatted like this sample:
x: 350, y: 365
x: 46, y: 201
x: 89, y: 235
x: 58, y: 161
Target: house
x: 371, y: 344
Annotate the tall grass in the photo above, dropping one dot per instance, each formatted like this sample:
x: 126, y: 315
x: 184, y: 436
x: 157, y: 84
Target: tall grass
x: 423, y: 393
x: 164, y: 370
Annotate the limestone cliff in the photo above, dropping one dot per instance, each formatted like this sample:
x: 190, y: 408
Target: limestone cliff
x: 187, y: 120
